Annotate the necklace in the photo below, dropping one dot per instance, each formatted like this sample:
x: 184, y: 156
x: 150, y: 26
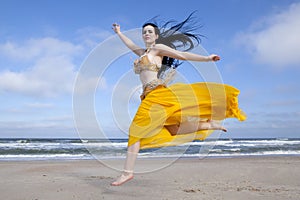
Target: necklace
x: 149, y: 48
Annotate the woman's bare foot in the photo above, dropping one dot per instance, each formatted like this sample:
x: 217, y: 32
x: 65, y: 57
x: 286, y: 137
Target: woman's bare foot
x: 215, y: 126
x: 126, y: 176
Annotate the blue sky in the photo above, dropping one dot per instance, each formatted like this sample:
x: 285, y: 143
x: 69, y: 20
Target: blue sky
x: 43, y: 45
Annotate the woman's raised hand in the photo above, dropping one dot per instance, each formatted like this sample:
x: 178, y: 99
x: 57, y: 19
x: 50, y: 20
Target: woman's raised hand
x: 214, y: 57
x: 116, y: 27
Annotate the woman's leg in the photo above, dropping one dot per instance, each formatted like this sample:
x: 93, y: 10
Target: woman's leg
x: 132, y: 152
x: 193, y: 126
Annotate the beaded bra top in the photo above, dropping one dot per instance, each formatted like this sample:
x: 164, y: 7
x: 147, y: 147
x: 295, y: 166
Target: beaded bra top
x: 144, y: 64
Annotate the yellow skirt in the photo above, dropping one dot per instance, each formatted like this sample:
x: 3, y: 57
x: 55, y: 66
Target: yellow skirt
x: 179, y: 103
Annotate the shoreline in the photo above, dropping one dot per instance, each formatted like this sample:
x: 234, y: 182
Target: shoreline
x: 151, y: 158
x: 271, y: 177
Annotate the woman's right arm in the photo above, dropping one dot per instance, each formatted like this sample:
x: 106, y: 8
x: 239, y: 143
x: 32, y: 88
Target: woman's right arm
x: 129, y: 43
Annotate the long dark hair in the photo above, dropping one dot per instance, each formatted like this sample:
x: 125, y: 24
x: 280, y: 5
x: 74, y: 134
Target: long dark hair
x: 177, y: 36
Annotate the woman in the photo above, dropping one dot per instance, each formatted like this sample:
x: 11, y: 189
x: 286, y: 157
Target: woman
x: 178, y: 113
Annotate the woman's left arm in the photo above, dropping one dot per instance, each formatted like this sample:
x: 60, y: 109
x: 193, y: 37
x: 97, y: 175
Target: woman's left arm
x: 163, y: 50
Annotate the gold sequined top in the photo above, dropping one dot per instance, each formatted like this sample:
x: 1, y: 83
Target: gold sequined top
x: 144, y: 64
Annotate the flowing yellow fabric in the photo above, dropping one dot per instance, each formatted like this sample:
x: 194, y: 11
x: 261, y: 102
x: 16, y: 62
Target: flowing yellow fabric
x: 179, y: 103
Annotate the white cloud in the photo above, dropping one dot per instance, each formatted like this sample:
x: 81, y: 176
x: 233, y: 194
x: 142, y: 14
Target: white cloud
x: 36, y: 48
x: 28, y: 108
x: 38, y: 105
x: 52, y: 67
x: 49, y: 127
x: 47, y: 66
x: 88, y: 85
x: 91, y: 36
x: 275, y: 39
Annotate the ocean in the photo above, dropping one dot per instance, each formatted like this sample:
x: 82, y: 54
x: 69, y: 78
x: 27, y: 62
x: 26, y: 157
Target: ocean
x: 77, y: 149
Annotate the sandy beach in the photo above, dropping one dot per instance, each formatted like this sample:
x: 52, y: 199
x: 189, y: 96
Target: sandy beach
x: 210, y: 178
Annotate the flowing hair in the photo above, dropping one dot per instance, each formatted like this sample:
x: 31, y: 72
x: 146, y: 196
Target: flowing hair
x: 177, y: 35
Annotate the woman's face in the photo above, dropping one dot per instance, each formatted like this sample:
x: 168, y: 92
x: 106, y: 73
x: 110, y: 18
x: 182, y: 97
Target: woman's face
x: 149, y: 35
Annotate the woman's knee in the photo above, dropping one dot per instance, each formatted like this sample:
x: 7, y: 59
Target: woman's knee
x: 173, y: 129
